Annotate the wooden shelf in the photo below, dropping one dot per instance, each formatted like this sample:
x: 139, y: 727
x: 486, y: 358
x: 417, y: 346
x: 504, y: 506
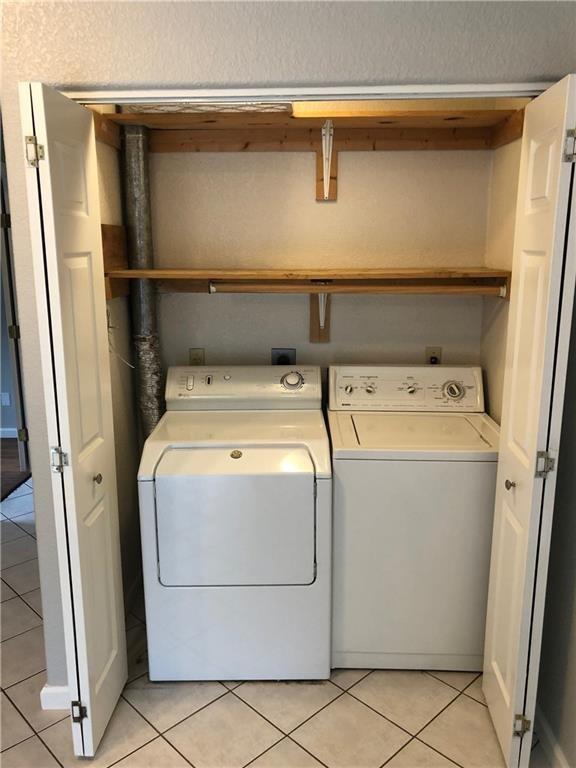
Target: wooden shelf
x: 464, y: 281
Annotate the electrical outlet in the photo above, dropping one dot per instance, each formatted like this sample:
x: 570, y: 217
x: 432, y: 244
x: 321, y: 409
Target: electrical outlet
x: 433, y: 355
x: 196, y: 356
x: 283, y: 356
x: 5, y: 398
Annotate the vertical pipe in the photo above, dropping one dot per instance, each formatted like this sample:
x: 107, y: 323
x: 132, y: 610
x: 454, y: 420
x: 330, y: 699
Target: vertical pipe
x: 137, y: 213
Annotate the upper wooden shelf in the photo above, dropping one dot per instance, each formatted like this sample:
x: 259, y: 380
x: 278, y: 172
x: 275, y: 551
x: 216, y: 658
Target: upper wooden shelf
x: 481, y: 123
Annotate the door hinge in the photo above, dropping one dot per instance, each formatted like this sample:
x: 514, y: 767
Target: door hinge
x: 5, y: 221
x: 521, y: 725
x: 58, y: 459
x: 79, y: 711
x: 544, y: 464
x: 23, y: 435
x: 570, y: 146
x: 13, y: 331
x: 34, y: 151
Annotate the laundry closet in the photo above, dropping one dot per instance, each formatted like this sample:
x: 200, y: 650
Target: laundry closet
x: 350, y: 232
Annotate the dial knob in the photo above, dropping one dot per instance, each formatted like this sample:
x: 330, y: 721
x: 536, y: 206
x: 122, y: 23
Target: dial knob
x: 454, y: 390
x: 370, y: 389
x: 292, y: 380
x: 411, y: 389
x: 348, y: 389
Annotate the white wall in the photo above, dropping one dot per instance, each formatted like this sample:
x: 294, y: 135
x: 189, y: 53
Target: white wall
x: 499, y: 251
x: 258, y: 210
x: 225, y: 44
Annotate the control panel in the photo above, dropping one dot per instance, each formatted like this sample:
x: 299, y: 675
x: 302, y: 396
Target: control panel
x: 256, y: 387
x: 406, y: 388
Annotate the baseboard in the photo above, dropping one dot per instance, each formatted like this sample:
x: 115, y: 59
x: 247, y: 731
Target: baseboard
x: 55, y: 697
x: 550, y: 745
x: 8, y: 432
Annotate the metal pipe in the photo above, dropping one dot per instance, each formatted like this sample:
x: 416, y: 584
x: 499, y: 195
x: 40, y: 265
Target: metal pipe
x: 137, y: 214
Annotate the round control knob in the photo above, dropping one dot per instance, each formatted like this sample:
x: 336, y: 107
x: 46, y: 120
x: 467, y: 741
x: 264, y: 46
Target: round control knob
x: 411, y: 389
x: 292, y: 380
x: 370, y: 389
x: 348, y: 389
x: 454, y: 390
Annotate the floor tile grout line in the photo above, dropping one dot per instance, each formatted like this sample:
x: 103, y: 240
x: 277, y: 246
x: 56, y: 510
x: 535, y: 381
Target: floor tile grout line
x: 36, y: 733
x: 17, y: 564
x: 281, y: 739
x: 307, y: 751
x: 19, y: 634
x: 28, y: 677
x: 16, y: 538
x: 31, y: 606
x: 158, y: 731
x: 134, y: 751
x: 434, y: 749
x: 397, y: 752
x: 460, y: 690
x: 438, y: 714
x: 369, y: 672
x: 253, y: 708
x: 25, y: 631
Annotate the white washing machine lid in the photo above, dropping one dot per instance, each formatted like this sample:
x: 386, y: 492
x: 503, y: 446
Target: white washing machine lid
x: 413, y: 436
x: 236, y: 430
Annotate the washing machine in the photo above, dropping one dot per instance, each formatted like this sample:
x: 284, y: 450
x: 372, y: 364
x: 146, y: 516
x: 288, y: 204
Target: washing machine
x: 414, y: 470
x: 235, y: 498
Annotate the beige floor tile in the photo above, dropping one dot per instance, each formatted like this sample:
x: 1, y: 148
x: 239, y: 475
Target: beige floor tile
x: 457, y: 680
x: 22, y: 578
x: 409, y: 699
x: 286, y: 754
x: 156, y: 754
x: 9, y: 531
x: 165, y: 704
x: 287, y: 704
x: 345, y: 678
x: 26, y: 523
x: 464, y: 733
x: 13, y: 727
x: 418, y: 755
x: 126, y: 732
x: 17, y: 617
x: 34, y: 600
x: 346, y: 734
x: 17, y: 505
x: 475, y: 690
x: 26, y: 696
x: 23, y: 656
x: 225, y: 733
x: 29, y: 754
x: 6, y: 592
x: 18, y: 551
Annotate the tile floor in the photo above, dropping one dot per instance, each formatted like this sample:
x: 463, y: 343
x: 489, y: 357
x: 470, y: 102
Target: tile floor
x: 357, y: 719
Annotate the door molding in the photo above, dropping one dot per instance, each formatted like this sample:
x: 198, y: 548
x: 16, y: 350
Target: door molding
x: 303, y: 93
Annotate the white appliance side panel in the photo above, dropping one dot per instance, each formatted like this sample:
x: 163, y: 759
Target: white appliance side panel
x: 238, y: 633
x: 411, y: 561
x: 226, y: 521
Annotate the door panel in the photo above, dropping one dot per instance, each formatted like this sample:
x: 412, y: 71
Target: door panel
x: 542, y: 288
x: 68, y: 253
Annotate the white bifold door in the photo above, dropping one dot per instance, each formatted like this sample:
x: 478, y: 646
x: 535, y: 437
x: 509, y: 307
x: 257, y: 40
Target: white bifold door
x: 62, y: 181
x: 543, y: 280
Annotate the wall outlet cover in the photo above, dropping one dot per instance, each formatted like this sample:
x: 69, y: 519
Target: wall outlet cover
x: 283, y: 356
x: 433, y: 355
x: 196, y: 356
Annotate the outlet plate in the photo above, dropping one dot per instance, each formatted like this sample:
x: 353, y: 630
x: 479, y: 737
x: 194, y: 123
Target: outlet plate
x: 283, y: 356
x: 433, y: 355
x: 196, y: 356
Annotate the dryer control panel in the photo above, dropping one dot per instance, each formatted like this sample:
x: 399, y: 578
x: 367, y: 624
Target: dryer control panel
x: 243, y: 387
x: 406, y: 388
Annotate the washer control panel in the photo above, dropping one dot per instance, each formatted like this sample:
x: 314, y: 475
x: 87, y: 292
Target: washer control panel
x: 406, y: 388
x: 191, y: 388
